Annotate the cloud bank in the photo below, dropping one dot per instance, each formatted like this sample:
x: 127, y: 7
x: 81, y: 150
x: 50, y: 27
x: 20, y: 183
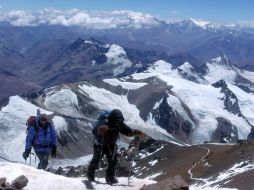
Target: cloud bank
x: 97, y: 19
x: 76, y: 17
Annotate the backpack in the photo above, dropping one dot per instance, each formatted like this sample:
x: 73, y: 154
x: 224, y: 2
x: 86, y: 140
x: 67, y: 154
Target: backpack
x: 31, y: 122
x: 102, y: 119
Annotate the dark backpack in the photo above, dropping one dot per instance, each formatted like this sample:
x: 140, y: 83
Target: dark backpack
x: 102, y: 119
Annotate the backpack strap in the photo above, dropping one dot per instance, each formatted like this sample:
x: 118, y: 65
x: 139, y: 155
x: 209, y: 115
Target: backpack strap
x: 36, y: 128
x: 31, y: 122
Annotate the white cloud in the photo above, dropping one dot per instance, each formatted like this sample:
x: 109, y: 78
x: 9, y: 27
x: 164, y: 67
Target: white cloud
x: 76, y: 17
x: 174, y: 12
x: 92, y: 19
x: 21, y: 18
x: 246, y: 23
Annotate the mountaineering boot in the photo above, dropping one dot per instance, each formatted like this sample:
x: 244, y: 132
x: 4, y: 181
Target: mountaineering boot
x: 90, y: 178
x: 90, y: 175
x: 111, y: 180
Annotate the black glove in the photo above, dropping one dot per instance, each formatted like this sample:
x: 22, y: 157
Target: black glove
x: 26, y: 153
x: 53, y: 150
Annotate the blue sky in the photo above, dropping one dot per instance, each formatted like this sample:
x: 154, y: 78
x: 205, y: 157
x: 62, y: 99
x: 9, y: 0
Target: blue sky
x: 213, y: 10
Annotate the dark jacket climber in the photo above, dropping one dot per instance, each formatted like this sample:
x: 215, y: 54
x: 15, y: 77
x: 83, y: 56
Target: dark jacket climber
x: 106, y: 134
x: 42, y: 137
x: 251, y: 135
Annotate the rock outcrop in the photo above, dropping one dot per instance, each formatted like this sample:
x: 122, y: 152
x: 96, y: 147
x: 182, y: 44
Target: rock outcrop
x: 251, y: 135
x: 172, y: 183
x: 170, y: 120
x: 18, y: 183
x: 226, y: 132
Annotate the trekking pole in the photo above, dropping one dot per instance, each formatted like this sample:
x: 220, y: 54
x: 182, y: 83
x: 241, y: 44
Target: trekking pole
x: 30, y: 159
x: 130, y: 170
x: 98, y: 176
x: 136, y: 144
x: 132, y: 153
x: 51, y: 167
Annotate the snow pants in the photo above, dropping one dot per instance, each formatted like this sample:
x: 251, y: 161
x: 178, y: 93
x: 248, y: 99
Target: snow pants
x: 43, y: 158
x: 111, y: 154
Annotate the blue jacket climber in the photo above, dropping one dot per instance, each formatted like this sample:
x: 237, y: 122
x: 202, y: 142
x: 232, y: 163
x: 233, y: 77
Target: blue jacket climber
x: 41, y: 135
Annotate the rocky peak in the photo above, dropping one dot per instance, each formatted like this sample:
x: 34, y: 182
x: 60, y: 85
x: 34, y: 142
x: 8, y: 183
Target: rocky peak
x: 171, y: 120
x: 230, y: 100
x: 222, y: 60
x: 226, y: 132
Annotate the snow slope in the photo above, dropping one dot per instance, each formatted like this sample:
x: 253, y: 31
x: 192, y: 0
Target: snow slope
x: 116, y: 55
x: 106, y: 100
x: 204, y: 101
x: 48, y: 181
x: 246, y: 102
x: 181, y: 72
x: 164, y: 68
x: 201, y: 23
x: 225, y: 175
x: 247, y: 74
x: 184, y: 71
x: 124, y: 84
x: 217, y: 71
x: 63, y: 101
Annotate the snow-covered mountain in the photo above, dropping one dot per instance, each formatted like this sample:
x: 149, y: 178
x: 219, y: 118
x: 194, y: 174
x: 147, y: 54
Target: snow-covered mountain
x: 179, y: 104
x: 80, y: 60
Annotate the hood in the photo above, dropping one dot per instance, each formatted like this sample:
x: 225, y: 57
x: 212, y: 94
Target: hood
x: 116, y: 117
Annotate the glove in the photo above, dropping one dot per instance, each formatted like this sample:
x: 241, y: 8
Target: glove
x: 139, y: 134
x: 26, y: 153
x: 53, y: 151
x: 102, y: 130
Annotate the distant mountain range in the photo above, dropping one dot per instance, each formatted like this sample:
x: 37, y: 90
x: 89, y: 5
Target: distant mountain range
x: 53, y: 59
x: 27, y: 35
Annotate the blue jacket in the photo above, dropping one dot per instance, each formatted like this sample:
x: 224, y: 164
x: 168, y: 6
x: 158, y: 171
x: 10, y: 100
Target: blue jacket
x: 41, y: 140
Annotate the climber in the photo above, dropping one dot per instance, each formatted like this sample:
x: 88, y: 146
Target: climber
x: 106, y: 131
x: 41, y: 135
